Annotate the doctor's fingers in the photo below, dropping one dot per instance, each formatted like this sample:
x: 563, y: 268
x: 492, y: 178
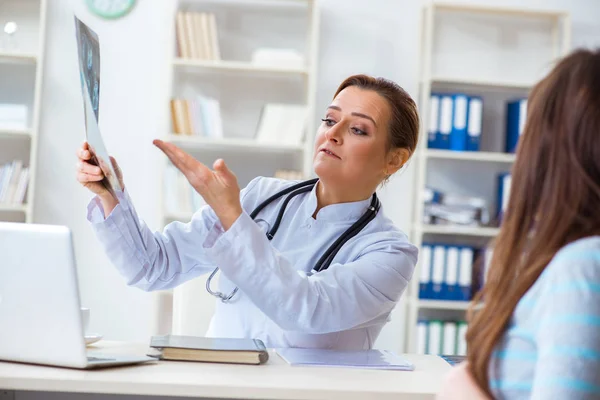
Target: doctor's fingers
x: 87, y: 168
x: 117, y: 169
x: 194, y: 170
x: 84, y: 178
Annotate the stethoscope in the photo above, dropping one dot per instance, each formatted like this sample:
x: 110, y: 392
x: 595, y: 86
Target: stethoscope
x: 328, y: 256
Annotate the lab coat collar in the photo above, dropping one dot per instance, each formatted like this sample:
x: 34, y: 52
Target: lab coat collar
x: 340, y: 212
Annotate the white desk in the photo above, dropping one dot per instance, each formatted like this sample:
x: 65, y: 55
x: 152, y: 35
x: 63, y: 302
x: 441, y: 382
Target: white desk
x: 273, y: 380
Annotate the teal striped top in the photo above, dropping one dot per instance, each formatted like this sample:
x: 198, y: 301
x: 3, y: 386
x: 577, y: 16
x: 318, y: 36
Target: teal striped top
x: 551, y: 349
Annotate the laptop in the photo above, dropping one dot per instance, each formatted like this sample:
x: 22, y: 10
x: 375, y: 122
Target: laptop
x: 39, y: 300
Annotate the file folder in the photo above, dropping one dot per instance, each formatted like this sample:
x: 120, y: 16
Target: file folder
x: 425, y: 273
x: 422, y: 328
x: 434, y: 344
x: 504, y: 183
x: 458, y: 134
x: 462, y: 338
x: 449, y: 346
x: 451, y: 289
x: 475, y: 124
x: 516, y: 113
x: 433, y: 129
x: 465, y: 279
x: 438, y: 271
x: 445, y: 127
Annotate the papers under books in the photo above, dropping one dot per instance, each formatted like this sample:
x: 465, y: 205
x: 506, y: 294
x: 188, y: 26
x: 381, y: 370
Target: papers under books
x: 282, y: 58
x: 282, y: 124
x: 447, y: 208
x: 218, y: 350
x: 365, y: 359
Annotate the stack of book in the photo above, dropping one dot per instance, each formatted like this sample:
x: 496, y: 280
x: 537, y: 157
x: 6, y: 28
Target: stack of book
x: 14, y: 178
x: 200, y: 116
x: 197, y: 36
x: 441, y: 337
x: 450, y: 209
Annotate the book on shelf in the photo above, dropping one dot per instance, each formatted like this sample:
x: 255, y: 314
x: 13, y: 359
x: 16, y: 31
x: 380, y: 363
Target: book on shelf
x: 439, y: 337
x: 203, y: 349
x: 199, y: 116
x: 282, y: 124
x: 455, y: 122
x: 14, y: 179
x: 197, y: 35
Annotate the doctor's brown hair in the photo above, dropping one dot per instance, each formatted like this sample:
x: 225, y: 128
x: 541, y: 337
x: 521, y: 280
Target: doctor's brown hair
x: 404, y: 120
x: 553, y: 200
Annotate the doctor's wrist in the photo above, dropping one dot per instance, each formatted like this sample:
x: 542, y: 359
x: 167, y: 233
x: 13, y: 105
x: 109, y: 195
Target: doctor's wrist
x: 228, y: 218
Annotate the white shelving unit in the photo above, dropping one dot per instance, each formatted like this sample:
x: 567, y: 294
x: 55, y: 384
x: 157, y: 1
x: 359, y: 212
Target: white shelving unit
x: 242, y: 89
x: 21, y: 63
x: 498, y: 54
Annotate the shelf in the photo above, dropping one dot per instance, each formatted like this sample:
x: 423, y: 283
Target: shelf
x: 443, y: 305
x: 235, y: 66
x: 7, y: 57
x: 459, y: 230
x: 470, y: 155
x: 13, y: 208
x: 520, y: 12
x: 234, y: 144
x: 480, y: 83
x: 4, y: 133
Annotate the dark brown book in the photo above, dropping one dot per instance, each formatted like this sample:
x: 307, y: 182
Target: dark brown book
x: 219, y: 350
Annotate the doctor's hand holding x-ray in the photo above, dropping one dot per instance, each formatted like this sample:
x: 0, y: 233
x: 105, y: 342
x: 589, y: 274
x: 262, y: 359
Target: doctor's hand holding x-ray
x: 303, y: 264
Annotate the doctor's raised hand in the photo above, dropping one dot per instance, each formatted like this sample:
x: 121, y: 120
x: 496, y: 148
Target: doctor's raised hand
x: 313, y: 264
x: 218, y: 188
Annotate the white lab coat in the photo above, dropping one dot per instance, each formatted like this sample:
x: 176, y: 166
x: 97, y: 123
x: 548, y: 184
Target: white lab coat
x: 279, y: 301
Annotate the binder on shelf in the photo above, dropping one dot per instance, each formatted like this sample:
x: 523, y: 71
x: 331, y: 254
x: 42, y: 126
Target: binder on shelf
x: 445, y: 125
x: 475, y: 123
x: 434, y: 343
x: 462, y: 339
x: 450, y: 342
x: 433, y: 129
x: 504, y: 183
x: 425, y: 284
x: 516, y: 113
x: 451, y: 290
x: 422, y: 330
x: 438, y: 271
x: 458, y: 132
x: 465, y: 274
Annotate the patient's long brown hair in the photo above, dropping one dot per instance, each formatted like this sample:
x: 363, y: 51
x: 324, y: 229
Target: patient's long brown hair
x: 554, y: 199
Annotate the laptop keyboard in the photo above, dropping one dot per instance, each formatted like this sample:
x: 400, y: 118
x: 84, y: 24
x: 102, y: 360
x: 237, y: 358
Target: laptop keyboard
x: 100, y: 359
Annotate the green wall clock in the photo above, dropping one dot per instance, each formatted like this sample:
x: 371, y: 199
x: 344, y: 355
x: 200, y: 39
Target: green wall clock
x: 110, y: 9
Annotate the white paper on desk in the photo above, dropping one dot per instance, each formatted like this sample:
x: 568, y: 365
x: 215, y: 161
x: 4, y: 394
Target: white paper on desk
x: 366, y: 359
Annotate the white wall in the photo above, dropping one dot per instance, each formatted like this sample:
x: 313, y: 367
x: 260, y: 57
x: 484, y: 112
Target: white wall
x: 380, y: 37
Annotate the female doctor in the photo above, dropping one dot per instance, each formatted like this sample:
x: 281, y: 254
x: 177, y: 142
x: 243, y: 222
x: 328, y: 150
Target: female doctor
x: 317, y: 267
